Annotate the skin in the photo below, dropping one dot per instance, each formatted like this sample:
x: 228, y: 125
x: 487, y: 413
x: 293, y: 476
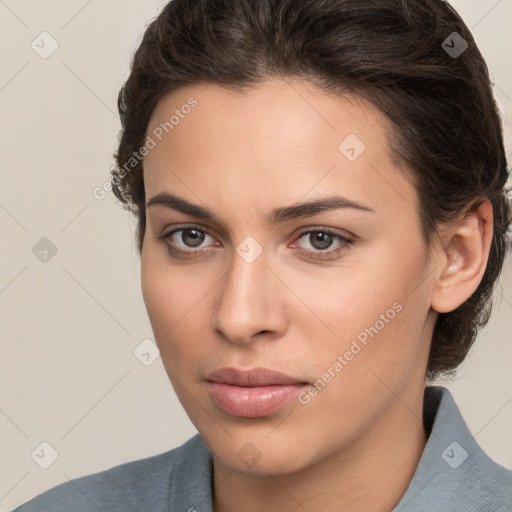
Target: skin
x: 359, y: 440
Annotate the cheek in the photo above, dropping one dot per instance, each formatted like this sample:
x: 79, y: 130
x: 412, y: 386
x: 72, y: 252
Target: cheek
x: 176, y: 305
x: 351, y: 298
x: 166, y: 292
x: 156, y: 291
x: 163, y: 298
x: 373, y: 312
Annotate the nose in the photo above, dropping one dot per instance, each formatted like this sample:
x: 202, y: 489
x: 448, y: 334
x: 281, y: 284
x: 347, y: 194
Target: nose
x: 249, y: 302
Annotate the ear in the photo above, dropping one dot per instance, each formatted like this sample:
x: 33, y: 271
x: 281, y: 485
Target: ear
x: 462, y: 259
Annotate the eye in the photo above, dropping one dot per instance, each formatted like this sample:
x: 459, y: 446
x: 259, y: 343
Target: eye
x: 180, y: 241
x: 321, y: 239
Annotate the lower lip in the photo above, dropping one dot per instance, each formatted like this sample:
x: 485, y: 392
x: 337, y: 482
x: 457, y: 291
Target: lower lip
x: 252, y: 402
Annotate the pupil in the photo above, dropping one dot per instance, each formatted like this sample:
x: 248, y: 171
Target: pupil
x: 195, y: 239
x: 324, y: 239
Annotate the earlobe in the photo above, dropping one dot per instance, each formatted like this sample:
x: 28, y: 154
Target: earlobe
x: 463, y: 258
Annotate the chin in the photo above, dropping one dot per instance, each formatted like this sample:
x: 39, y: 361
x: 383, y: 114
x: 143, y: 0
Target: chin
x: 259, y: 453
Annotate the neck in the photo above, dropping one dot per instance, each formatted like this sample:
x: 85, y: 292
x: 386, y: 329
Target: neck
x: 371, y: 473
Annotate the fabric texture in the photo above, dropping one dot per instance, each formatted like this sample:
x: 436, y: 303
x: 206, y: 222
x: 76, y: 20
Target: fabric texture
x: 454, y: 474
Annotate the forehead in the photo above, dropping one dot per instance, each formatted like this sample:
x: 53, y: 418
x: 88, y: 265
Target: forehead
x: 289, y: 108
x: 288, y: 136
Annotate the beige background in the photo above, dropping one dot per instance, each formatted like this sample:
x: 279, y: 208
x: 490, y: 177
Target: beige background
x: 68, y: 374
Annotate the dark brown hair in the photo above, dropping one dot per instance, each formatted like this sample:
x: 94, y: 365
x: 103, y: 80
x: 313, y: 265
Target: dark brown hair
x: 446, y: 128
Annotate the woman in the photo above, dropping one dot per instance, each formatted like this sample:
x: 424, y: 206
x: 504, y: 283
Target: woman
x: 322, y: 218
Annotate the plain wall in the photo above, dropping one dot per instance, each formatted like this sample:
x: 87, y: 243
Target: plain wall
x: 69, y: 326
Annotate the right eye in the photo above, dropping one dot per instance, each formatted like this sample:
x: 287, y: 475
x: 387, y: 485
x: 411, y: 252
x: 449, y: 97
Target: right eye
x: 189, y: 237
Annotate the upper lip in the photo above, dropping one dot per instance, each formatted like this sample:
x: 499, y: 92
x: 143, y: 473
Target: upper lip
x: 253, y: 377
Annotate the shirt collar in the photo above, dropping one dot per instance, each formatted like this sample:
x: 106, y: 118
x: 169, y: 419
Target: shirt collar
x: 454, y: 473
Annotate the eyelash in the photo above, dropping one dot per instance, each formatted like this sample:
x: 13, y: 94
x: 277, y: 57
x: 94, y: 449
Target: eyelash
x: 345, y: 242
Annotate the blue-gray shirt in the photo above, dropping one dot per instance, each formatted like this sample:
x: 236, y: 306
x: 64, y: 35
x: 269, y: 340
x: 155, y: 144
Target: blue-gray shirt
x: 454, y: 474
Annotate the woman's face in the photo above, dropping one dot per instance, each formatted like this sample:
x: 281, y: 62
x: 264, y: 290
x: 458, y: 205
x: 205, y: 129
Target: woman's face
x: 344, y: 309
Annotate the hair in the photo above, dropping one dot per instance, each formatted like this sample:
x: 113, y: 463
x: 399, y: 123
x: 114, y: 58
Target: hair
x: 445, y: 126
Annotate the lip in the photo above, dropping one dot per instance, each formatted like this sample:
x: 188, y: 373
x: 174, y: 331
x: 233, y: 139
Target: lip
x: 252, y: 393
x: 252, y: 378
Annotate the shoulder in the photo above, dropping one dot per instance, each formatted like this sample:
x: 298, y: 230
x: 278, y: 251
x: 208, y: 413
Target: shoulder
x: 144, y: 484
x: 491, y: 481
x: 455, y: 473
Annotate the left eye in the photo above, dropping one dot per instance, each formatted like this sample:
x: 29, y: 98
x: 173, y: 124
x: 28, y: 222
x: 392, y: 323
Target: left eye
x: 321, y: 240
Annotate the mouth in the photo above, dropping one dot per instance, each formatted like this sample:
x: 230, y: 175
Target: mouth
x: 252, y: 393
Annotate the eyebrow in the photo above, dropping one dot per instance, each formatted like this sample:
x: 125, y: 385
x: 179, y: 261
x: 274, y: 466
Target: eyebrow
x: 277, y: 215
